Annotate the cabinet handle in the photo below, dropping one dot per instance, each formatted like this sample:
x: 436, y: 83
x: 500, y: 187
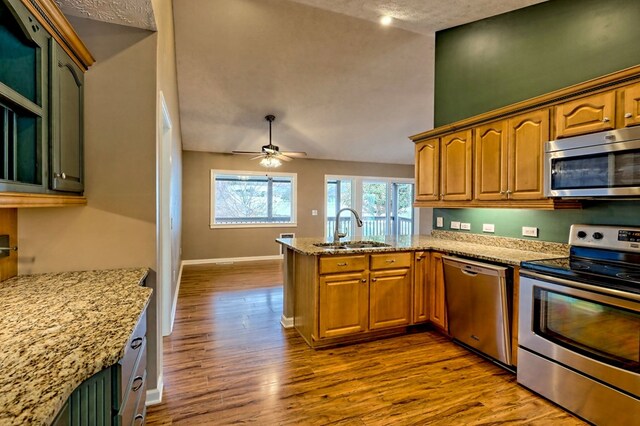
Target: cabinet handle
x: 364, y: 280
x: 134, y: 386
x: 502, y: 192
x: 342, y: 264
x: 390, y: 260
x: 374, y: 279
x: 136, y: 343
x: 419, y: 259
x: 605, y: 120
x: 628, y: 115
x: 62, y: 175
x: 139, y: 418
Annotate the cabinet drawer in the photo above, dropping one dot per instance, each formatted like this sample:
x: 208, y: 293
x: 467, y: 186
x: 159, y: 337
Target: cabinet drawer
x: 135, y: 390
x: 390, y: 260
x: 131, y: 352
x: 333, y: 264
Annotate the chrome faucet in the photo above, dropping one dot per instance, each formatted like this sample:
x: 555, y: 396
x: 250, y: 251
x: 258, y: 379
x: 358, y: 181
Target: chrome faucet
x: 336, y: 233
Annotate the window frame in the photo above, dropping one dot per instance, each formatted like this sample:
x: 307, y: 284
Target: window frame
x: 212, y: 207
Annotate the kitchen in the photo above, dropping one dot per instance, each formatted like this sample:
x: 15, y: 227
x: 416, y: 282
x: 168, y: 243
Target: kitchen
x: 118, y: 203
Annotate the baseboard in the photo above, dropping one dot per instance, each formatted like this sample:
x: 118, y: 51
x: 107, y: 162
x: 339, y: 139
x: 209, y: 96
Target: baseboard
x: 154, y: 396
x: 286, y: 322
x: 231, y: 259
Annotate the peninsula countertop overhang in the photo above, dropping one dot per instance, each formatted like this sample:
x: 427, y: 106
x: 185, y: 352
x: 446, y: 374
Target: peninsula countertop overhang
x: 509, y: 251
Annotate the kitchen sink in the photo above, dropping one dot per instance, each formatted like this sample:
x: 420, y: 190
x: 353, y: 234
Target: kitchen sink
x: 350, y: 245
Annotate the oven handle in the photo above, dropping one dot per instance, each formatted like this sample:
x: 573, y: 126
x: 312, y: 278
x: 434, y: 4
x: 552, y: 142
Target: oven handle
x: 583, y: 286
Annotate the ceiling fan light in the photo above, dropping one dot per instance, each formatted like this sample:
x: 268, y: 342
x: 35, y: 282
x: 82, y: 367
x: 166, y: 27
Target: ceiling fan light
x: 270, y: 162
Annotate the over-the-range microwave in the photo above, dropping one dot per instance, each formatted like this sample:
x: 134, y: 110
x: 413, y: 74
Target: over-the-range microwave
x: 604, y: 164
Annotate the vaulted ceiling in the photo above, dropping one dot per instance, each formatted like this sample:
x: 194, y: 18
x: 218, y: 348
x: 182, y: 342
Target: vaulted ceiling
x: 341, y: 85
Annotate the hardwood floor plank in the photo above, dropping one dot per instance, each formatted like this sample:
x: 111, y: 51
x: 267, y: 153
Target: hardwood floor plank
x: 229, y: 361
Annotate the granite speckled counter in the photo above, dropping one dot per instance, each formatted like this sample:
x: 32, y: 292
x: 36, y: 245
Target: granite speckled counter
x: 59, y: 329
x: 509, y: 251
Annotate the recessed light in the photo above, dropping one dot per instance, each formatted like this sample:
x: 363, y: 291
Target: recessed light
x: 386, y: 20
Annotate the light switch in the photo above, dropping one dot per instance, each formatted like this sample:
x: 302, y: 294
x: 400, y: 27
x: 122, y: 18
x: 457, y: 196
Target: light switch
x: 529, y: 231
x: 439, y: 222
x: 314, y: 212
x: 455, y: 224
x: 465, y: 226
x: 488, y: 227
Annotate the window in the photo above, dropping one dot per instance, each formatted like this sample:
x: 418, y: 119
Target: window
x: 385, y: 205
x: 250, y: 199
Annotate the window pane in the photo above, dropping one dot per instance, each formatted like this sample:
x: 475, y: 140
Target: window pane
x: 374, y: 208
x: 338, y: 197
x: 253, y: 199
x: 404, y: 208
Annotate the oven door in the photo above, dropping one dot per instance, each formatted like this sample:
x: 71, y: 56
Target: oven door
x: 588, y: 329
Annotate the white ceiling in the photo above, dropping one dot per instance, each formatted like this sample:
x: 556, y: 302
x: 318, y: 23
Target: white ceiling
x: 132, y: 13
x: 340, y: 85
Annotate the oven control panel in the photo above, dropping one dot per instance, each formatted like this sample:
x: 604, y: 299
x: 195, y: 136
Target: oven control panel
x: 626, y: 238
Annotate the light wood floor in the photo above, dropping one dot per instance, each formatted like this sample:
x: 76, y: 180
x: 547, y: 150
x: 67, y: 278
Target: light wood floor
x: 229, y: 361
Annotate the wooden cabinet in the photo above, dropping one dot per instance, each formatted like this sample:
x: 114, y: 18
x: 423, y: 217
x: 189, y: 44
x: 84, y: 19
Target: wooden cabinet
x: 631, y: 105
x: 420, y: 281
x: 344, y: 304
x: 491, y: 161
x: 67, y: 95
x: 586, y: 115
x: 427, y: 170
x: 436, y: 292
x: 390, y: 290
x: 455, y: 166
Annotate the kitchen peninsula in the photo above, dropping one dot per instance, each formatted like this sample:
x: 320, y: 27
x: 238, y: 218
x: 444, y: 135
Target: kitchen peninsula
x: 336, y: 295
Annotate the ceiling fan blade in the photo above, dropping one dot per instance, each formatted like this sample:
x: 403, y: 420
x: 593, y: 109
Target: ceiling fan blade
x: 294, y: 154
x: 246, y: 152
x: 281, y: 156
x: 258, y: 156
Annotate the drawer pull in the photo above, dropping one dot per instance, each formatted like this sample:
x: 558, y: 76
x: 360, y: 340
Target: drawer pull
x: 628, y: 115
x: 139, y: 419
x: 136, y: 343
x: 135, y: 386
x: 419, y: 259
x: 374, y: 279
x: 390, y: 260
x: 342, y: 264
x: 364, y: 280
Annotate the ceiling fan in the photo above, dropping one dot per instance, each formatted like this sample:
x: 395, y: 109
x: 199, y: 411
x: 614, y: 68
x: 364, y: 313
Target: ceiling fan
x: 270, y: 154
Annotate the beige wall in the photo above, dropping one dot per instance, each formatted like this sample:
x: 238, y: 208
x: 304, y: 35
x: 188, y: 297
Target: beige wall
x: 118, y: 226
x: 201, y: 242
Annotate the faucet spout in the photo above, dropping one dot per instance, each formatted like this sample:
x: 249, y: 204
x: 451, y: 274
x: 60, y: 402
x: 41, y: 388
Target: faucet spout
x: 336, y: 232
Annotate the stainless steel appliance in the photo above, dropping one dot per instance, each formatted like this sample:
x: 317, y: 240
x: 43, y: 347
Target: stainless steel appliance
x: 477, y: 303
x: 605, y: 164
x: 579, y: 325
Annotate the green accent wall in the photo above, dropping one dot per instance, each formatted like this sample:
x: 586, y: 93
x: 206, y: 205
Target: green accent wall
x: 512, y: 57
x: 518, y: 55
x: 552, y: 225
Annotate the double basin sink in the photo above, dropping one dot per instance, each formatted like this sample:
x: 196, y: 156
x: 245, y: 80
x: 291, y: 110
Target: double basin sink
x: 351, y: 245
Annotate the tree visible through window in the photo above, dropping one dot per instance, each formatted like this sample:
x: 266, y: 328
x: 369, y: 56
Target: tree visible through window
x: 253, y: 199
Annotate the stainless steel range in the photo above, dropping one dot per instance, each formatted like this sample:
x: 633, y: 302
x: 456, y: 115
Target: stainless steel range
x: 579, y: 325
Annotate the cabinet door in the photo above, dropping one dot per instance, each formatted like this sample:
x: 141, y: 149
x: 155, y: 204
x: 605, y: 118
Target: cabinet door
x: 586, y: 115
x: 420, y: 278
x: 456, y: 166
x: 427, y: 170
x: 437, y: 303
x: 527, y: 134
x: 344, y: 304
x: 631, y: 111
x: 389, y: 298
x: 66, y: 172
x: 491, y: 161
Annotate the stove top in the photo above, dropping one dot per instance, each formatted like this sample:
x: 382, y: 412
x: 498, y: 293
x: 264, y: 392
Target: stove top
x: 605, y: 256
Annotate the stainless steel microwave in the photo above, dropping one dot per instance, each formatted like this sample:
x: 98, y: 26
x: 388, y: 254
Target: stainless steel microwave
x: 604, y: 164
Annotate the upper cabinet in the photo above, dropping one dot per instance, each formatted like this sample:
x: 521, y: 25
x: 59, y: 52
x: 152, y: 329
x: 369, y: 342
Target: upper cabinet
x: 586, y: 115
x: 41, y: 105
x: 496, y: 159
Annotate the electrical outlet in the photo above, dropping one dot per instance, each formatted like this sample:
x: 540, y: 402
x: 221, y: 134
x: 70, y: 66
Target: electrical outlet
x: 488, y: 227
x: 530, y: 231
x: 314, y: 212
x: 455, y: 224
x: 439, y: 222
x: 465, y: 226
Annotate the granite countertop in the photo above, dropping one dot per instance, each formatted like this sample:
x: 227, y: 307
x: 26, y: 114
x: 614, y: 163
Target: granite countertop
x: 59, y: 329
x: 509, y: 251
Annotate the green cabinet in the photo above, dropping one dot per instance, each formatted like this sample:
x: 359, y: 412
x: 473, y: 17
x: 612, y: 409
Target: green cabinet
x: 41, y: 108
x: 67, y: 81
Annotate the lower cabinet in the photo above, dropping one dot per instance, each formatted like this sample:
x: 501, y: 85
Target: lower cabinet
x: 343, y: 304
x: 420, y: 287
x: 115, y: 395
x: 390, y: 290
x: 436, y: 292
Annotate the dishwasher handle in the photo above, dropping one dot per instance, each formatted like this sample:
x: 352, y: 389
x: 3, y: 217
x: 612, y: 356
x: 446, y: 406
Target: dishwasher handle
x: 469, y: 272
x: 472, y: 268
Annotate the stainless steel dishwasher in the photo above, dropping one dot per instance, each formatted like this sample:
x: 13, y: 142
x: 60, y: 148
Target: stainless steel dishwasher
x: 477, y: 305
